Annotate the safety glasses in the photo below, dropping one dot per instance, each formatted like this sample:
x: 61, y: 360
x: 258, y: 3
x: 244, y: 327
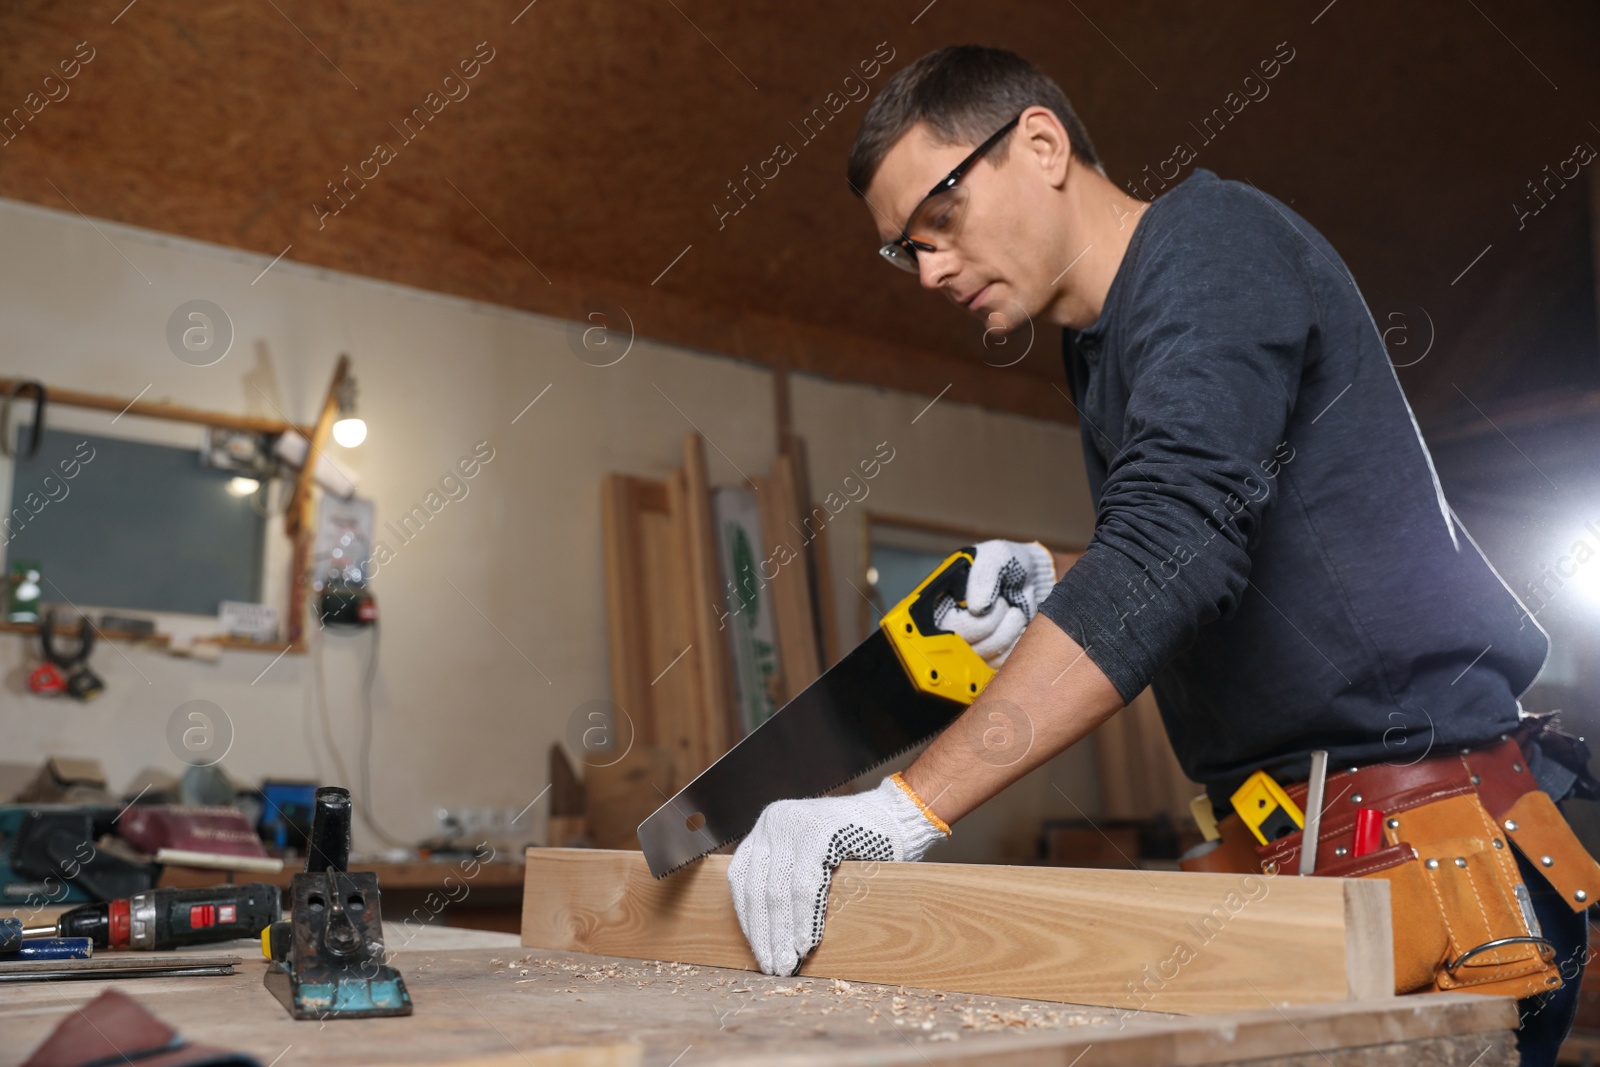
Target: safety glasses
x: 936, y: 221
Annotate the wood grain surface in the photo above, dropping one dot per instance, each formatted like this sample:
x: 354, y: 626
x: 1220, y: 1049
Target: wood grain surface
x: 713, y: 707
x: 481, y: 1001
x: 1157, y: 940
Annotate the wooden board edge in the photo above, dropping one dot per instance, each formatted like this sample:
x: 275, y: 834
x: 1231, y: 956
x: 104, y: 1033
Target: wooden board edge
x: 1297, y: 1034
x: 1368, y: 938
x: 627, y: 1055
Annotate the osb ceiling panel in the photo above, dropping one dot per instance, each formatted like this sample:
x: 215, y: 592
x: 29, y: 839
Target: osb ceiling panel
x: 587, y: 156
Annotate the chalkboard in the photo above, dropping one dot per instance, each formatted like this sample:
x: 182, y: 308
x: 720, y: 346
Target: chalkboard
x: 127, y: 524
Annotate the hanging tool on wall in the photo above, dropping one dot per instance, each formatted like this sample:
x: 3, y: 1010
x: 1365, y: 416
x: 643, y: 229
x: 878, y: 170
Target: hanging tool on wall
x: 72, y: 673
x: 328, y: 958
x: 35, y: 429
x: 898, y: 688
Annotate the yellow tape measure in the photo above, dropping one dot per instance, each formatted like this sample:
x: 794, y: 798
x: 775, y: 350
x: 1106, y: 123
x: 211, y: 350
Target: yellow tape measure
x: 1266, y: 808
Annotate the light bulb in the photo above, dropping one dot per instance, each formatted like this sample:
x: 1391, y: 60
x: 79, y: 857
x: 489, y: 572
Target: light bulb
x: 350, y: 432
x: 242, y: 486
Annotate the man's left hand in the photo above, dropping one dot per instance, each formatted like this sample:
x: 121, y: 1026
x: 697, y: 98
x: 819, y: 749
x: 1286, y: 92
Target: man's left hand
x: 780, y: 874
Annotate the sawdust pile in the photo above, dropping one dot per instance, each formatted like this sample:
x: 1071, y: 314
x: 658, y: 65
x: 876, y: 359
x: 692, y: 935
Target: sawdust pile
x: 918, y: 1014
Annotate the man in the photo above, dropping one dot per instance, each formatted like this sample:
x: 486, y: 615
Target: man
x: 1272, y: 549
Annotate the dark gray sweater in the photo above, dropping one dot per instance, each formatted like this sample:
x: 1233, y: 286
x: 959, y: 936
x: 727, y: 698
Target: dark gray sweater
x: 1272, y: 550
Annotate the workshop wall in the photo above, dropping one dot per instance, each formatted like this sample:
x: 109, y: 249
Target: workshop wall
x: 492, y: 617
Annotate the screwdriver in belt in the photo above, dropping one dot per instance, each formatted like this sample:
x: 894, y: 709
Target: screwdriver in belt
x: 170, y: 918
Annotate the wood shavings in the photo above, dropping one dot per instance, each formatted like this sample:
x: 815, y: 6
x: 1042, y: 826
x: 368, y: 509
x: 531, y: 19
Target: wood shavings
x: 829, y: 1007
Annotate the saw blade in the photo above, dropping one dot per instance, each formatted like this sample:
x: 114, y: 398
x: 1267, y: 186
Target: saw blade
x: 861, y: 712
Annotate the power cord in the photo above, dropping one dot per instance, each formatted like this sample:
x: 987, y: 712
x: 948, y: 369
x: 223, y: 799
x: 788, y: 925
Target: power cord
x: 364, y: 761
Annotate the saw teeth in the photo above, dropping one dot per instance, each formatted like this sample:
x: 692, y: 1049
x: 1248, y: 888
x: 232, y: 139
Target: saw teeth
x: 702, y: 855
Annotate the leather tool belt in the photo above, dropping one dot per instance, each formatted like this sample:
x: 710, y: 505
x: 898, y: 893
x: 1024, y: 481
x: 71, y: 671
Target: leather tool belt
x: 1462, y: 917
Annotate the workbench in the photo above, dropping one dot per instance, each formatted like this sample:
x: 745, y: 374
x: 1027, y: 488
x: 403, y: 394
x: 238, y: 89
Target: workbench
x: 482, y: 1000
x: 424, y: 890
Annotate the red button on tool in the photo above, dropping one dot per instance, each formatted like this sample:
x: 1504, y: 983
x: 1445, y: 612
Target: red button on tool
x: 202, y: 915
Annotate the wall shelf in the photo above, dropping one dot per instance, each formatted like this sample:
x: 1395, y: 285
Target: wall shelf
x: 161, y: 640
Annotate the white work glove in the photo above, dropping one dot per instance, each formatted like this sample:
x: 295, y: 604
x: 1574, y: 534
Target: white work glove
x: 1005, y: 587
x: 780, y: 874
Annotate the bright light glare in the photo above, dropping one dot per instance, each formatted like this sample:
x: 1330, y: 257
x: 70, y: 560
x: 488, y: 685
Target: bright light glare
x: 349, y: 432
x: 1587, y: 580
x: 242, y: 486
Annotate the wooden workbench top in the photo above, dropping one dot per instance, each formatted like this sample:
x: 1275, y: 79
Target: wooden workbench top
x: 483, y: 1000
x: 410, y: 874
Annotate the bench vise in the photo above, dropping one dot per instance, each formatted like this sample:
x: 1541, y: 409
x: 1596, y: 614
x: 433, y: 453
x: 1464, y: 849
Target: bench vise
x: 327, y: 959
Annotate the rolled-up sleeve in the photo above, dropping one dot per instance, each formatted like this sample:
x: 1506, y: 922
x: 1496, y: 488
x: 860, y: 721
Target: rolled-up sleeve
x: 1215, y: 326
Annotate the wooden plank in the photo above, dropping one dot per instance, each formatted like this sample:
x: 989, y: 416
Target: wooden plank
x: 621, y: 795
x: 297, y: 513
x: 156, y: 409
x: 789, y: 588
x: 625, y: 621
x: 673, y: 674
x: 815, y: 549
x: 822, y: 578
x: 567, y: 823
x: 718, y: 713
x: 1161, y: 940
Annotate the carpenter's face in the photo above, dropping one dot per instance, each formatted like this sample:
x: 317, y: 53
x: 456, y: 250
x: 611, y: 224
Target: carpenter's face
x: 991, y: 255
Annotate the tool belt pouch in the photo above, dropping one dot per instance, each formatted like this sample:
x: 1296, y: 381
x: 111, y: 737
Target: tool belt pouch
x: 1463, y: 919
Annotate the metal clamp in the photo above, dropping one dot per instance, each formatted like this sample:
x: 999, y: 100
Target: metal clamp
x: 1501, y: 942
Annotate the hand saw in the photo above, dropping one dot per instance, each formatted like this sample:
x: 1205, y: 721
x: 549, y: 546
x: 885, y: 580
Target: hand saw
x: 898, y: 688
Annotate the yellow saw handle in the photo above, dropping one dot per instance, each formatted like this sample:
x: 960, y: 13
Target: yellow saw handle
x: 938, y: 662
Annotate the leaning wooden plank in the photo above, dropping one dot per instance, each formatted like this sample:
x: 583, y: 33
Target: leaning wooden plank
x: 789, y: 581
x: 1156, y: 940
x: 678, y: 685
x: 623, y: 790
x: 719, y: 717
x: 622, y: 500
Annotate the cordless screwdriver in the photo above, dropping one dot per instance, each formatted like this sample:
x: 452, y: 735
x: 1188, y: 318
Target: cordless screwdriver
x: 171, y: 918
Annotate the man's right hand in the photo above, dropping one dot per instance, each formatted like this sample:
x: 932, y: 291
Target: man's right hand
x: 1005, y: 587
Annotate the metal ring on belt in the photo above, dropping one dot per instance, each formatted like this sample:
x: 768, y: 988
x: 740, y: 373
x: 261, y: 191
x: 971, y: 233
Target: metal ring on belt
x: 1500, y: 942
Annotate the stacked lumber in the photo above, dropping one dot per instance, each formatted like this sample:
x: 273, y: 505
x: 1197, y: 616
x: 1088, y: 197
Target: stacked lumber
x: 787, y: 540
x: 667, y: 604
